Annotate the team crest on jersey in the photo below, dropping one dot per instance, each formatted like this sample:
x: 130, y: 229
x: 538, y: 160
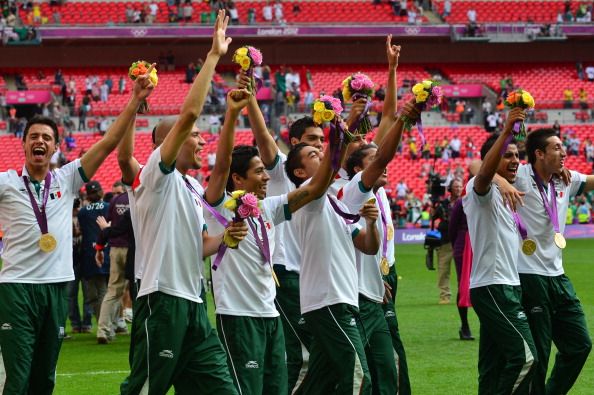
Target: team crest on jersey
x: 252, y: 365
x: 522, y: 315
x: 389, y: 313
x: 166, y: 354
x: 6, y: 326
x: 301, y: 321
x: 352, y: 322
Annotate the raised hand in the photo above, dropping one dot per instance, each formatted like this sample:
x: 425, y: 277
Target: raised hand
x: 220, y: 44
x: 238, y: 99
x: 410, y: 110
x: 243, y: 81
x: 143, y: 86
x: 370, y: 212
x: 238, y: 230
x: 515, y: 115
x: 393, y: 52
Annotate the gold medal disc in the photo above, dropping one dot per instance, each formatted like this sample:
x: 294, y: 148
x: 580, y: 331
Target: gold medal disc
x: 528, y: 246
x: 390, y: 233
x: 385, y: 266
x: 370, y: 201
x: 560, y: 241
x: 47, y: 242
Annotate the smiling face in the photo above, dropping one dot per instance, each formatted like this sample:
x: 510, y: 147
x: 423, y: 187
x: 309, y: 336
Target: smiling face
x: 256, y: 179
x: 508, y: 167
x: 39, y: 145
x: 190, y: 154
x: 554, y: 156
x: 313, y: 136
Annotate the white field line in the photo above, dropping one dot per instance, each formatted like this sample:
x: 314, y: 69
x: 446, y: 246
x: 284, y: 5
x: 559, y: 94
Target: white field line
x: 87, y: 373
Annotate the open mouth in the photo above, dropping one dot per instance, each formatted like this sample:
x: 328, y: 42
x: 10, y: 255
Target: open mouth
x: 513, y: 170
x: 38, y: 153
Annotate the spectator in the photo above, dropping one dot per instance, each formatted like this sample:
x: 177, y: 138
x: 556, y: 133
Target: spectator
x: 266, y: 76
x: 58, y: 78
x: 447, y: 8
x: 122, y: 85
x: 215, y: 123
x: 583, y: 212
x: 95, y: 92
x: 103, y: 125
x: 309, y: 99
x: 56, y: 16
x: 109, y: 83
x: 104, y: 91
x: 82, y: 118
x: 583, y: 99
x: 70, y: 142
x: 233, y: 14
x: 412, y: 16
x: 292, y: 78
x: 574, y: 145
x: 190, y: 73
x: 380, y: 93
x: 401, y: 189
x: 469, y: 147
x: 568, y: 98
x: 152, y: 14
x: 188, y: 10
x: 471, y: 14
x: 557, y: 127
x: 129, y: 14
x: 590, y: 73
x: 251, y: 16
x: 278, y: 12
x: 589, y: 150
x: 403, y: 8
x: 136, y: 16
x: 267, y: 12
x: 280, y: 79
x: 412, y: 147
x: 487, y: 107
x: 459, y: 170
x: 296, y: 8
x: 211, y: 159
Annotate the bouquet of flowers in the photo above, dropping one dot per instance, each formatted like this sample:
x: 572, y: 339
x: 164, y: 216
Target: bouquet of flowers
x: 248, y: 57
x: 428, y: 94
x: 358, y: 86
x: 140, y: 68
x: 524, y: 100
x: 328, y: 109
x: 244, y: 205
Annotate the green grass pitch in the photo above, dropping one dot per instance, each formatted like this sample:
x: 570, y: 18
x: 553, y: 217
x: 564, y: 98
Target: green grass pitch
x: 439, y: 362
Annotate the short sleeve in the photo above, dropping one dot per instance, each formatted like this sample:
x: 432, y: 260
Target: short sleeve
x: 353, y: 194
x: 277, y: 209
x: 154, y: 172
x: 578, y: 183
x: 477, y: 198
x: 73, y: 175
x: 277, y: 170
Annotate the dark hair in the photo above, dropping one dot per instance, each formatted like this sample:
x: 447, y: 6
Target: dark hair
x: 300, y: 126
x: 538, y: 140
x: 154, y: 134
x: 107, y: 197
x: 294, y: 162
x: 490, y: 142
x: 240, y: 163
x: 40, y: 119
x: 356, y: 159
x: 119, y: 184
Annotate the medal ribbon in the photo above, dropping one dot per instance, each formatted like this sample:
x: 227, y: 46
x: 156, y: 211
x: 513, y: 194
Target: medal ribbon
x: 550, y: 208
x: 336, y: 138
x: 262, y: 243
x: 222, y: 220
x: 516, y: 130
x: 384, y: 225
x: 40, y: 215
x: 520, y: 224
x: 348, y: 218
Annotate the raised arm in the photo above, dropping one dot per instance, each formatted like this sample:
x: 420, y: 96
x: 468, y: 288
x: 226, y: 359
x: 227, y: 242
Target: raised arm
x: 483, y: 179
x: 266, y: 144
x: 128, y: 164
x: 236, y: 100
x: 387, y: 148
x: 391, y: 101
x: 194, y: 102
x: 95, y: 156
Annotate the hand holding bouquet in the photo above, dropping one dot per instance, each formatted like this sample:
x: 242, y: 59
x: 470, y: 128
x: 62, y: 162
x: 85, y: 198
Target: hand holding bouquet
x: 143, y: 68
x: 359, y: 86
x: 249, y: 57
x: 523, y: 100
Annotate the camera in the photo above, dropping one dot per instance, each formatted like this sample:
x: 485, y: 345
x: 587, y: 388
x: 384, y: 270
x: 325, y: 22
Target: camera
x: 435, y: 186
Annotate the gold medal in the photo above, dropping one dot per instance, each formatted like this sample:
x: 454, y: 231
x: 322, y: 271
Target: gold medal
x: 560, y: 241
x: 528, y: 246
x: 390, y: 233
x: 47, y: 242
x: 385, y: 266
x: 370, y: 201
x: 274, y: 277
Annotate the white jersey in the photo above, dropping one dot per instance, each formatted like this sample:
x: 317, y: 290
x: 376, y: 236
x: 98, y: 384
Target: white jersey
x: 494, y: 237
x: 23, y: 260
x: 169, y: 229
x: 371, y: 285
x: 288, y: 249
x: 328, y: 269
x: 243, y: 283
x: 341, y: 179
x: 547, y: 260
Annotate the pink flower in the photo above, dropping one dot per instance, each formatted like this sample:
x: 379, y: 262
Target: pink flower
x: 357, y: 84
x: 437, y: 91
x: 337, y: 107
x: 255, y: 211
x: 244, y: 211
x: 250, y: 199
x: 367, y: 83
x: 255, y: 55
x: 326, y: 98
x: 359, y: 76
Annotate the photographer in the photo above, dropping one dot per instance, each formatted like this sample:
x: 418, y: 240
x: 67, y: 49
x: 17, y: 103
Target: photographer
x: 441, y: 211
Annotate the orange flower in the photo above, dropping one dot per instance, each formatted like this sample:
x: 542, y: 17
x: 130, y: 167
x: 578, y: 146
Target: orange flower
x: 136, y: 72
x: 142, y: 69
x: 513, y: 97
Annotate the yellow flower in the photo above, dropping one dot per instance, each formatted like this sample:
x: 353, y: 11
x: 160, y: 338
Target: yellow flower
x: 245, y: 63
x: 421, y: 97
x: 528, y: 99
x: 427, y: 84
x: 346, y: 81
x: 346, y: 93
x: 242, y: 51
x: 230, y: 204
x: 318, y: 119
x: 229, y: 240
x: 319, y: 106
x: 237, y: 194
x: 328, y: 115
x: 418, y: 88
x: 153, y: 77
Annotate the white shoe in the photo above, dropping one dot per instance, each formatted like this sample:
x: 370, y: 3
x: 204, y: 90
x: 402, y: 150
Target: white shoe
x: 128, y: 315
